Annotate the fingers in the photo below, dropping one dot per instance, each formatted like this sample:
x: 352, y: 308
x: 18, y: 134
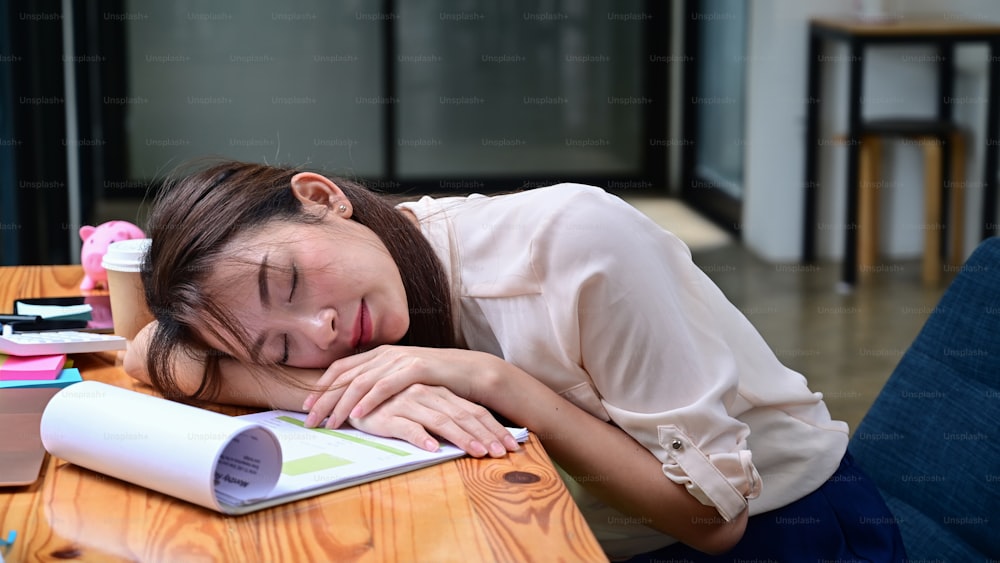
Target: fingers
x: 373, y: 379
x: 334, y: 373
x: 322, y: 405
x: 399, y: 427
x: 372, y: 388
x: 340, y: 399
x: 392, y: 391
x: 375, y: 382
x: 422, y: 410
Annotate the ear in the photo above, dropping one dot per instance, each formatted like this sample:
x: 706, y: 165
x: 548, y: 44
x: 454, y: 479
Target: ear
x: 315, y: 189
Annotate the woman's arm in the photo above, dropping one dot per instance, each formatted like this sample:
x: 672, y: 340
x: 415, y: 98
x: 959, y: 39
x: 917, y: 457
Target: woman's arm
x: 240, y: 386
x: 610, y: 463
x: 457, y: 420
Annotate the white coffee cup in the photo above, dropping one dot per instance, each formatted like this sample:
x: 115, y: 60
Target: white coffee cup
x: 122, y: 261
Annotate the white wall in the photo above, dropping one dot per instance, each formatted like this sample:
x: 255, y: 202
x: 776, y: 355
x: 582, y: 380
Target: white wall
x: 775, y: 128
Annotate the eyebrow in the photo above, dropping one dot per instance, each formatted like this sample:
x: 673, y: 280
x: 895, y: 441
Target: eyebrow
x: 265, y: 301
x: 265, y: 295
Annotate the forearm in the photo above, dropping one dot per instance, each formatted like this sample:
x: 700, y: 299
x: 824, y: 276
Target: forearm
x: 273, y: 388
x: 610, y: 463
x: 240, y: 384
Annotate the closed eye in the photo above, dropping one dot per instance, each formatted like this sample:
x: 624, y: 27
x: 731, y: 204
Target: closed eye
x: 284, y: 350
x: 291, y: 292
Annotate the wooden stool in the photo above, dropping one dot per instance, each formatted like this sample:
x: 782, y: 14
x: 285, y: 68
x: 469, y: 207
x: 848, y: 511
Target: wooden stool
x: 933, y: 137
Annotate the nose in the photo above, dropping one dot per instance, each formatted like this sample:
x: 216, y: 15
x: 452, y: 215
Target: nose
x: 321, y: 328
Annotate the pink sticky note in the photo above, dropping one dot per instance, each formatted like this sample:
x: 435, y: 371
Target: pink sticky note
x: 20, y: 368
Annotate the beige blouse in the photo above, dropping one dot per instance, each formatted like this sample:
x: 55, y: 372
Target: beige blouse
x: 578, y: 288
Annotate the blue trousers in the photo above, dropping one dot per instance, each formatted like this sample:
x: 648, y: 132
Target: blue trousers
x: 844, y: 520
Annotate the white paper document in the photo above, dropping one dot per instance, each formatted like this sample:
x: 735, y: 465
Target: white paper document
x: 230, y: 464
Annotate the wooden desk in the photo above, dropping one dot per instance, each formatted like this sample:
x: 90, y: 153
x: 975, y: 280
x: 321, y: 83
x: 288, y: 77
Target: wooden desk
x: 943, y: 34
x: 510, y: 509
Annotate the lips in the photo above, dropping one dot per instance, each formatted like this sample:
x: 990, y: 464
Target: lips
x: 362, y: 327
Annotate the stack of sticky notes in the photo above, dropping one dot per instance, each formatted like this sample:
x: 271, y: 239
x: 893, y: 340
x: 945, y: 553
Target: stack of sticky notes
x: 37, y: 371
x: 31, y: 367
x: 80, y: 312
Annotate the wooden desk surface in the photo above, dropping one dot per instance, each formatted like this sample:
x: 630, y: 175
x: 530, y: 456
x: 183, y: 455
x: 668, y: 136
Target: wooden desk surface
x: 510, y: 509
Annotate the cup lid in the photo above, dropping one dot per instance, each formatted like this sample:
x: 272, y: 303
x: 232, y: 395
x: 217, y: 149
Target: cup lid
x: 126, y: 255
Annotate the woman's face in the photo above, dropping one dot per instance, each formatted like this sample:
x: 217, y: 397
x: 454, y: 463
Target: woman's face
x: 310, y: 294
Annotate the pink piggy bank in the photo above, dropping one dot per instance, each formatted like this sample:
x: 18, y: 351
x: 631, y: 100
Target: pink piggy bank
x: 96, y: 241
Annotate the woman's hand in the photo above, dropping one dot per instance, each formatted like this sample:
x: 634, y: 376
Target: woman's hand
x: 409, y: 415
x: 411, y: 392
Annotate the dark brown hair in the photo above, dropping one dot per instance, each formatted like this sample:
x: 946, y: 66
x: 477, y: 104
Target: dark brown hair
x: 197, y: 213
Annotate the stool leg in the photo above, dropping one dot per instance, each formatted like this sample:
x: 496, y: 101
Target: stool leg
x: 932, y: 209
x: 869, y: 165
x: 957, y: 201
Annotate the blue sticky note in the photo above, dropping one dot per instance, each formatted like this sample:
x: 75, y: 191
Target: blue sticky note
x: 66, y: 378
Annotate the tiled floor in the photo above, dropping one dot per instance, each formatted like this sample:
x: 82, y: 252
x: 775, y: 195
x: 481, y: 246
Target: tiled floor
x: 846, y: 344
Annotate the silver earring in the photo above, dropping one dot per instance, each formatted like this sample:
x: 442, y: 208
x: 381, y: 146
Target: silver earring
x: 342, y: 209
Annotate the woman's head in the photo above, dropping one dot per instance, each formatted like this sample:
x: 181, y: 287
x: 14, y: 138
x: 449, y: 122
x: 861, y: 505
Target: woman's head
x: 273, y: 265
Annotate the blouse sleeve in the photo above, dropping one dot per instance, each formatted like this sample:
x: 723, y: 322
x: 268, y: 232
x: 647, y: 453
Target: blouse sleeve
x: 649, y: 335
